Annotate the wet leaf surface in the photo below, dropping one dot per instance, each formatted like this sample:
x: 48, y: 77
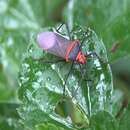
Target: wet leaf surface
x: 88, y: 103
x: 41, y: 86
x: 18, y: 20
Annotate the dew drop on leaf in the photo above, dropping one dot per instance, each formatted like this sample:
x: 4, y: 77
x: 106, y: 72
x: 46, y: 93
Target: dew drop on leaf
x: 48, y: 78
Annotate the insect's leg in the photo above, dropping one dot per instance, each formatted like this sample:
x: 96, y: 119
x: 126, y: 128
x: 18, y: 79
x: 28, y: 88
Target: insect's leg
x: 67, y: 78
x: 49, y: 62
x: 85, y: 36
x: 80, y: 80
x: 81, y: 44
x: 96, y: 55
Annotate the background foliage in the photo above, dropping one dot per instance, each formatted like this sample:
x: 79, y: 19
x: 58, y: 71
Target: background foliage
x: 20, y: 21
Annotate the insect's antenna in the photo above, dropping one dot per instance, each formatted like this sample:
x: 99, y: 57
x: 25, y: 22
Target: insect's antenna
x: 67, y: 28
x: 64, y: 87
x: 59, y: 28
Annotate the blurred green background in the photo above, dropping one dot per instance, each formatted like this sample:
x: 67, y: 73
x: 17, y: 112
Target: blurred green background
x: 20, y: 18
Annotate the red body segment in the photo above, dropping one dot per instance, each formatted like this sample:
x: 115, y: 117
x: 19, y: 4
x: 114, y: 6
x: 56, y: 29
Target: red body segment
x: 80, y: 57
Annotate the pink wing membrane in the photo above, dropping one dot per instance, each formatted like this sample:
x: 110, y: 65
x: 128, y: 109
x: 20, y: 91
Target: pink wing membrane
x: 53, y: 43
x: 46, y: 40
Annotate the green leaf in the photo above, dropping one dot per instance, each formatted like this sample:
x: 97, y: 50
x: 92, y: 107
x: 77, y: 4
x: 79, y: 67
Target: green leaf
x: 117, y: 99
x: 48, y: 126
x: 124, y: 123
x: 8, y: 110
x: 9, y: 118
x: 98, y: 90
x: 103, y: 121
x: 18, y: 20
x: 110, y: 19
x: 41, y: 85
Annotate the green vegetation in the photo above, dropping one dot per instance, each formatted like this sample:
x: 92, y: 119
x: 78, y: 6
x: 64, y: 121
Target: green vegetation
x: 31, y: 92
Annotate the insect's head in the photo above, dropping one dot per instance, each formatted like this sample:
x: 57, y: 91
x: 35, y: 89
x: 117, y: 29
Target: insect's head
x: 81, y: 58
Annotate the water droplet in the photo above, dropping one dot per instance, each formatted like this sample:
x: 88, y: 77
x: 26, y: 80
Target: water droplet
x: 48, y: 78
x: 53, y: 66
x: 36, y: 85
x: 39, y: 76
x: 30, y: 50
x: 24, y: 79
x: 26, y: 67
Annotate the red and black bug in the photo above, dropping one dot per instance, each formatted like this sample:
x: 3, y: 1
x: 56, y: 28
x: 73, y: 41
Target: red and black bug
x: 58, y: 45
x: 69, y: 50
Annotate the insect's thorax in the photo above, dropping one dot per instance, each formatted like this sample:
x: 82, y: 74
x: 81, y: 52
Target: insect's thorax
x: 74, y: 52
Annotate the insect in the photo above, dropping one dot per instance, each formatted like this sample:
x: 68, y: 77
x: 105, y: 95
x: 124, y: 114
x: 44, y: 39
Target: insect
x: 58, y: 45
x: 68, y: 50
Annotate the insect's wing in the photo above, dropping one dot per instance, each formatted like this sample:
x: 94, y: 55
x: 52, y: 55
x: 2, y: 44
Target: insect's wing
x: 60, y: 45
x: 53, y: 43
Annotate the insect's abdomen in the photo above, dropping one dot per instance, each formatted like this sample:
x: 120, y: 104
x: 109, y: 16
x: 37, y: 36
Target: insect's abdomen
x: 72, y: 50
x: 74, y: 53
